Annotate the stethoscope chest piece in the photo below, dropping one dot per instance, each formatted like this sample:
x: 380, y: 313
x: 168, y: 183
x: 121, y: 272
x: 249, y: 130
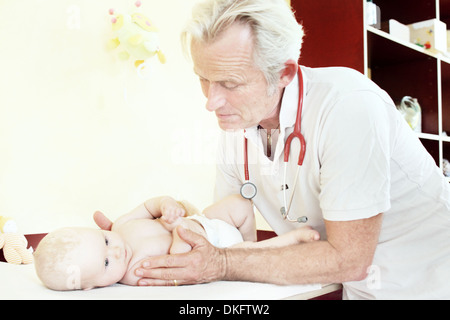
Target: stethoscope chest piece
x: 248, y: 190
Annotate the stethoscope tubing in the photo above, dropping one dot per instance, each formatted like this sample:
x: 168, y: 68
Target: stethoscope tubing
x: 295, y: 134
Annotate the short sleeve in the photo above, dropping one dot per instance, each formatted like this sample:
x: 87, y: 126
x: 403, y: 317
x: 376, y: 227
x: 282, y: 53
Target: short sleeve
x: 354, y: 153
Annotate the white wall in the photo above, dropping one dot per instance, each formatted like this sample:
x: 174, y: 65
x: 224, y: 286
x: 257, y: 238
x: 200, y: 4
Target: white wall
x: 80, y: 130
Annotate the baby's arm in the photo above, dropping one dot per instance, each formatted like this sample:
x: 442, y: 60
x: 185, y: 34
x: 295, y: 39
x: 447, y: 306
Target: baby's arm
x: 303, y: 234
x: 152, y: 209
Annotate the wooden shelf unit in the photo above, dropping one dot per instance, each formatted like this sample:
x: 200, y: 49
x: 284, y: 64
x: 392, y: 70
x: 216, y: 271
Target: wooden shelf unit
x: 336, y: 35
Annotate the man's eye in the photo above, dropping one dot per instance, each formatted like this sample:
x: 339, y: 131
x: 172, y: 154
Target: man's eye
x: 106, y: 262
x: 230, y: 85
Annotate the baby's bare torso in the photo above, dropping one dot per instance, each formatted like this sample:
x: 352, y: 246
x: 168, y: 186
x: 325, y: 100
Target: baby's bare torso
x: 146, y: 238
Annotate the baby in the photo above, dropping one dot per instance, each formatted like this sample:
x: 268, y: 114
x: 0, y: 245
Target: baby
x: 85, y: 258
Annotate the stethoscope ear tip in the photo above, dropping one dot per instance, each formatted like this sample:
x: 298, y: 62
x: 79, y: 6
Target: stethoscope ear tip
x: 285, y: 216
x: 303, y: 219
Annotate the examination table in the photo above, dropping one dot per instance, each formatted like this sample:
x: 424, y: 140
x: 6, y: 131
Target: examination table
x: 21, y: 282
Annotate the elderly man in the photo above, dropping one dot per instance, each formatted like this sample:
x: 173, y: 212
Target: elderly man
x: 365, y: 182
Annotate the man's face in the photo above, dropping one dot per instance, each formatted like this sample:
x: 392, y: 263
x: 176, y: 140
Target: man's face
x: 235, y: 89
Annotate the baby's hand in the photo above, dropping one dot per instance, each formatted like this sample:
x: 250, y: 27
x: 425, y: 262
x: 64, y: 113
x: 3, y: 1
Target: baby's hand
x: 171, y: 210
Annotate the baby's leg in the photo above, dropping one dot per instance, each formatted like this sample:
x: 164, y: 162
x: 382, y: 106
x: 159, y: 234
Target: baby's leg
x: 178, y: 244
x: 303, y: 234
x: 296, y: 236
x: 236, y: 211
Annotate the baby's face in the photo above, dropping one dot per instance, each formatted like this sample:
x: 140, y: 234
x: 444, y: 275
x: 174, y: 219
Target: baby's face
x: 103, y: 257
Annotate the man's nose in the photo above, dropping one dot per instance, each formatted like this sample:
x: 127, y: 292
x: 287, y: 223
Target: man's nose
x: 216, y: 98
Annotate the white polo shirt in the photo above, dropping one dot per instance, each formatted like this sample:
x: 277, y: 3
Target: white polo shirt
x: 361, y: 159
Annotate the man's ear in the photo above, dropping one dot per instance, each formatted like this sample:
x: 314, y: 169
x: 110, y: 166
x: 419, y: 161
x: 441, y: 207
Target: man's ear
x: 288, y: 73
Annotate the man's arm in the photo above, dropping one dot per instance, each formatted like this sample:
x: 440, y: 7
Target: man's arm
x: 345, y: 256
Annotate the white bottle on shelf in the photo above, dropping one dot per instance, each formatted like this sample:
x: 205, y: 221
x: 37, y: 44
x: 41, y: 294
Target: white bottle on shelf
x: 373, y: 14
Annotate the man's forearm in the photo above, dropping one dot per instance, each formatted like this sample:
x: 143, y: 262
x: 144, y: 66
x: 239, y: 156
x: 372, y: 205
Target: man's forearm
x: 315, y: 262
x: 344, y: 256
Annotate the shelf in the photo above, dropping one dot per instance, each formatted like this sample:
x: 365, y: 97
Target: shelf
x: 435, y: 137
x: 405, y: 69
x: 402, y: 70
x: 399, y: 67
x: 408, y: 44
x: 428, y: 136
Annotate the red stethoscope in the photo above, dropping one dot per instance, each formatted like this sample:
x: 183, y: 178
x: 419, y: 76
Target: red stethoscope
x: 249, y: 190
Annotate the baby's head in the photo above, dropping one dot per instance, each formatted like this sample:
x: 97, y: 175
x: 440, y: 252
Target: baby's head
x: 81, y: 258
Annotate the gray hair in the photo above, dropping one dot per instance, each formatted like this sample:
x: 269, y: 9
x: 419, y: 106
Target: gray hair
x: 278, y: 36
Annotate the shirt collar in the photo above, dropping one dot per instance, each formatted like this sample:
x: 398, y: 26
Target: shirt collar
x: 288, y: 111
x: 289, y: 103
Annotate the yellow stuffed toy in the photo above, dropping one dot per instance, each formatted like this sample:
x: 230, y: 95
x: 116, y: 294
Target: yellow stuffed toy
x: 14, y: 244
x: 137, y: 37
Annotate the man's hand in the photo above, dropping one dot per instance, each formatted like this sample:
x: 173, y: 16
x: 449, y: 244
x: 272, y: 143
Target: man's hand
x: 102, y: 221
x: 205, y: 263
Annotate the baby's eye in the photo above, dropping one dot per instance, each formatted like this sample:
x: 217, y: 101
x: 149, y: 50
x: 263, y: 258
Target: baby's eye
x: 106, y: 241
x: 106, y: 262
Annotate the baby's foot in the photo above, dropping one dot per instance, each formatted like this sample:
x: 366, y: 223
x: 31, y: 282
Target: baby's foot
x: 306, y: 234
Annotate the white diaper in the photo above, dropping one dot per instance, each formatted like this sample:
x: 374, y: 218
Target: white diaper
x: 219, y: 233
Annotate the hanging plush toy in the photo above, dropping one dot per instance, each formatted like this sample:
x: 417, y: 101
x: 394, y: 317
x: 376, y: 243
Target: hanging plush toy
x: 136, y: 36
x: 13, y: 243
